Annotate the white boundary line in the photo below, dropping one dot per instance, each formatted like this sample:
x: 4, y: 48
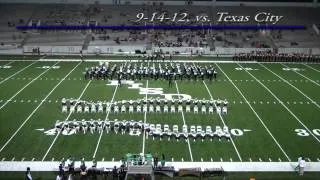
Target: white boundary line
x: 98, y: 143
x: 235, y: 147
x: 311, y: 67
x: 261, y: 121
x: 184, y: 122
x: 15, y: 133
x: 54, y: 140
x: 302, y: 75
x: 18, y: 72
x: 26, y: 86
x: 314, y: 102
x: 281, y: 103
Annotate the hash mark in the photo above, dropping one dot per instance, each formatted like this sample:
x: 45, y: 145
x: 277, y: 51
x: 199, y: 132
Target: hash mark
x: 33, y: 159
x: 270, y: 159
x: 280, y: 160
x: 182, y: 159
x: 112, y: 159
x: 250, y: 159
x: 52, y: 159
x: 102, y: 159
x: 309, y: 159
x: 260, y: 159
x: 221, y: 159
x: 22, y: 159
x: 231, y: 159
x: 318, y: 159
x: 15, y: 101
x: 172, y: 159
x: 211, y: 159
x: 13, y: 159
x: 3, y: 159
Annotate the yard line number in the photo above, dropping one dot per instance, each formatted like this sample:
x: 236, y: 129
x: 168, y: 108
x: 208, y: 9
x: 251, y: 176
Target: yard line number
x: 5, y: 67
x: 48, y: 67
x: 246, y: 69
x: 303, y: 132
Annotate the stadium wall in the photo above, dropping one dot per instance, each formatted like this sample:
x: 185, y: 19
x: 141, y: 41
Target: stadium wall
x: 165, y: 2
x: 106, y: 50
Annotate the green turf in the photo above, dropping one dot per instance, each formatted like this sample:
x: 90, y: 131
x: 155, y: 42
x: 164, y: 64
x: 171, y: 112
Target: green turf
x: 256, y: 144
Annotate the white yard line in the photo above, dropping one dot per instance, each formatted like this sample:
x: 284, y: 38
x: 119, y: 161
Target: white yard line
x: 282, y: 104
x: 101, y: 133
x: 26, y: 86
x: 261, y: 121
x: 184, y: 123
x: 313, y: 102
x: 15, y: 133
x: 55, y: 139
x: 303, y: 76
x: 17, y: 72
x: 145, y: 121
x: 98, y: 143
x: 311, y: 67
x: 235, y: 147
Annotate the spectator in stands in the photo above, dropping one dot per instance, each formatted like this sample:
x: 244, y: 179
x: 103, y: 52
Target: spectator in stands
x: 28, y: 174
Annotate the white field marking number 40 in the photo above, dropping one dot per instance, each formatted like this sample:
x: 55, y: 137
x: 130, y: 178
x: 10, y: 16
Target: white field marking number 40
x: 247, y: 69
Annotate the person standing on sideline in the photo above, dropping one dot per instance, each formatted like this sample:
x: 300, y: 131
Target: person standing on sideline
x: 299, y: 159
x: 302, y: 165
x: 28, y: 174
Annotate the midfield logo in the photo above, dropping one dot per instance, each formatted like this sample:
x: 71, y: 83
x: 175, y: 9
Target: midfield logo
x: 150, y: 91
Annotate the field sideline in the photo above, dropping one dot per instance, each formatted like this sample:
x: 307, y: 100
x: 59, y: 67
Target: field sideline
x: 274, y: 112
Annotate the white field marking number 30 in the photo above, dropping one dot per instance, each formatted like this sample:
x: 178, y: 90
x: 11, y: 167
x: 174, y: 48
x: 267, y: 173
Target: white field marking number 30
x: 303, y: 132
x: 48, y: 67
x: 5, y: 67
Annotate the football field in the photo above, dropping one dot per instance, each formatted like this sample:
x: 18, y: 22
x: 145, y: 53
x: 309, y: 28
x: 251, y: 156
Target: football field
x: 273, y: 113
